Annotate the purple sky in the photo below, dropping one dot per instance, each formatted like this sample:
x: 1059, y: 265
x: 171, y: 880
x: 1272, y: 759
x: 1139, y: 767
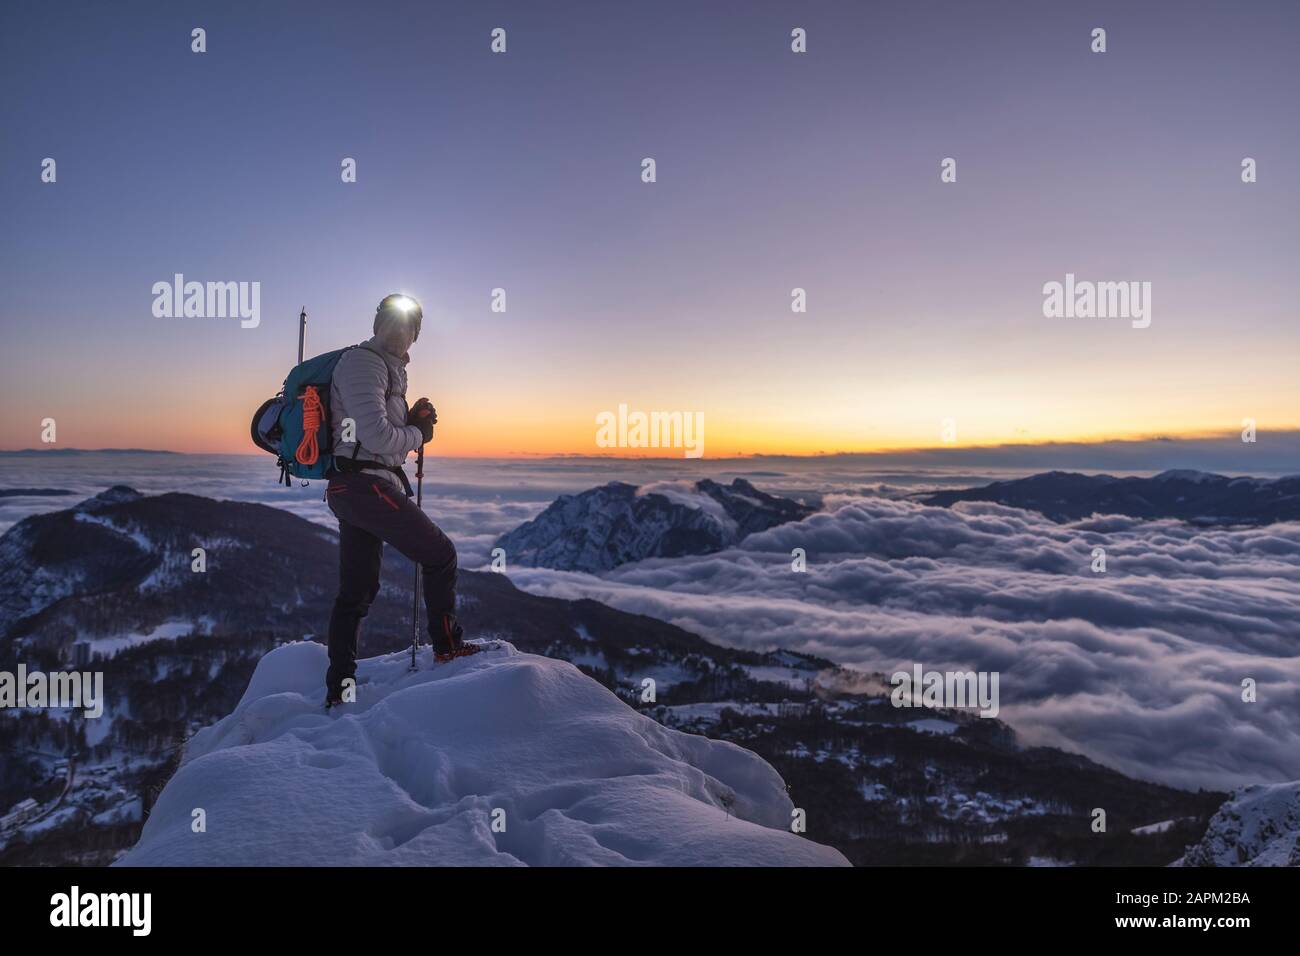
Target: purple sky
x: 775, y: 170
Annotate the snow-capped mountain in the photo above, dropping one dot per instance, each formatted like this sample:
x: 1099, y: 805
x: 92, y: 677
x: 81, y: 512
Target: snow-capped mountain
x: 498, y: 759
x: 616, y: 523
x: 113, y: 578
x: 1259, y: 826
x: 1196, y: 496
x: 121, y: 562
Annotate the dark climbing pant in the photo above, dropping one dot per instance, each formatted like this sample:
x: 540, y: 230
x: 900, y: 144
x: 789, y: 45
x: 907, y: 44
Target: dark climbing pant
x: 372, y: 513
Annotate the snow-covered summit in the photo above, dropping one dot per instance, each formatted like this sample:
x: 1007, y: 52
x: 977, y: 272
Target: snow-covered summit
x: 615, y: 523
x: 1259, y: 826
x: 502, y: 758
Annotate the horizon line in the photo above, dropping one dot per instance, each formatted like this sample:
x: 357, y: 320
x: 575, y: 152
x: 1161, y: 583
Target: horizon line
x: 735, y: 456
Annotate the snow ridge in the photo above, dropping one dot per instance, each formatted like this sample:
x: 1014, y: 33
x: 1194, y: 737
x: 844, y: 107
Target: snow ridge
x: 419, y: 770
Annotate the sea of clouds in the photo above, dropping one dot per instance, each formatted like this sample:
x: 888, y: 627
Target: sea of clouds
x: 1140, y: 668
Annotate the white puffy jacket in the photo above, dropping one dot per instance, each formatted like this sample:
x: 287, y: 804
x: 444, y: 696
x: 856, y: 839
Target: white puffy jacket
x: 361, y: 380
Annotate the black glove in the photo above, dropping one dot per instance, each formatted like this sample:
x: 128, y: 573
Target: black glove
x: 423, y: 416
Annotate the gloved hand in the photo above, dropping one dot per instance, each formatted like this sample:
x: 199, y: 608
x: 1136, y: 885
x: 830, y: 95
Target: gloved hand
x: 423, y: 416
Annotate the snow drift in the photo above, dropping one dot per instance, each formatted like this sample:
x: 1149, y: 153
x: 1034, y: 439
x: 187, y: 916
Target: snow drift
x: 416, y: 772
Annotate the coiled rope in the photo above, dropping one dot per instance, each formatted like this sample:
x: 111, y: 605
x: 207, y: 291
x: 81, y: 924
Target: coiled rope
x: 312, y: 411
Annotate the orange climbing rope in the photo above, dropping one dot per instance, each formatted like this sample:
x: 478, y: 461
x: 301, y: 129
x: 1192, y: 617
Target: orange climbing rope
x: 312, y: 411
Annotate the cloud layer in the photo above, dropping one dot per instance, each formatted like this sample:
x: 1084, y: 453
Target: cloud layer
x: 1140, y: 667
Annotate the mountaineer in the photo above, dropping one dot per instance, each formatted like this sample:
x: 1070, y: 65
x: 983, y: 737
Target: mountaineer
x: 369, y: 493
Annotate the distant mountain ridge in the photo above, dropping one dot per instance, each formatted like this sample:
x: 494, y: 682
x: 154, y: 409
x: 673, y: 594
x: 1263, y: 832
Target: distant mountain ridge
x: 1195, y: 496
x: 87, y: 451
x: 615, y: 523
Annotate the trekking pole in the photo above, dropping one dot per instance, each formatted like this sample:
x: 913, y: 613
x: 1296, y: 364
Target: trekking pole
x: 415, y: 607
x: 302, y: 332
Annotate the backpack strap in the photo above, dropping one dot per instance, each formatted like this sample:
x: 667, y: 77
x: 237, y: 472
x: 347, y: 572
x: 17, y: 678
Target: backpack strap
x: 353, y: 465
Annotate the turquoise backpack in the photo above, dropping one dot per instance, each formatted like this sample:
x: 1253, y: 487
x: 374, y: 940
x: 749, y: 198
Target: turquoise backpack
x: 295, y: 425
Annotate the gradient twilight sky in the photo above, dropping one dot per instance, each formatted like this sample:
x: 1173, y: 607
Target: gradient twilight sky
x: 775, y: 170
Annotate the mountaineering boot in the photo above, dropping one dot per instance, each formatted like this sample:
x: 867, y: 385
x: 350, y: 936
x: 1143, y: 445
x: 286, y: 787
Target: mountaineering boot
x: 450, y: 642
